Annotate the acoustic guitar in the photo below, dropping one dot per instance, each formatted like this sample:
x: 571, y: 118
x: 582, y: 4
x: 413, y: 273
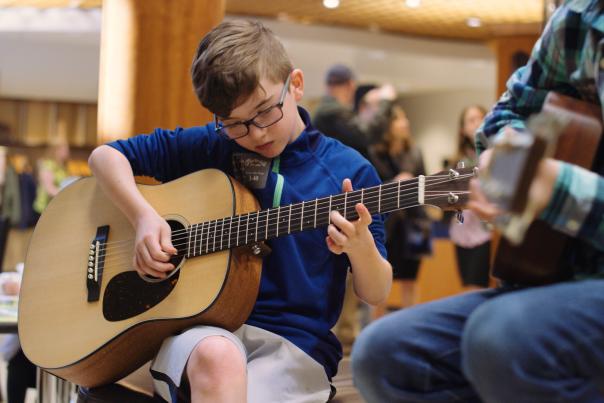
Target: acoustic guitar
x: 530, y: 251
x: 86, y: 316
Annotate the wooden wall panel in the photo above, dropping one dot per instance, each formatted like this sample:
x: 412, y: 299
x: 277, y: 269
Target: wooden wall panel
x: 147, y: 47
x: 34, y: 123
x: 505, y: 49
x: 9, y: 118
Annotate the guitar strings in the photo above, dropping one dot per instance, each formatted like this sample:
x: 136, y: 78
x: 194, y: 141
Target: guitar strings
x: 387, y: 204
x: 262, y: 227
x: 323, y: 207
x: 388, y: 187
x: 410, y: 183
x: 117, y: 258
x: 191, y: 236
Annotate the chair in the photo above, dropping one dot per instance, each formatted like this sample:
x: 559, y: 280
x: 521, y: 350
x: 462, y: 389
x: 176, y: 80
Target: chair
x: 135, y: 388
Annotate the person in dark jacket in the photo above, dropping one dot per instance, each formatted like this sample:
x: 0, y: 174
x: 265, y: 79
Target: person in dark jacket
x: 396, y: 157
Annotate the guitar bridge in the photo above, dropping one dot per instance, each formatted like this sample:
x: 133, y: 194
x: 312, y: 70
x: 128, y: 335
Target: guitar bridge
x: 96, y: 262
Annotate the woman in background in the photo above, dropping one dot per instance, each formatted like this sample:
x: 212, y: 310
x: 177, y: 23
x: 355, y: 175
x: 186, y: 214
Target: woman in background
x: 52, y: 171
x: 472, y: 239
x: 396, y: 157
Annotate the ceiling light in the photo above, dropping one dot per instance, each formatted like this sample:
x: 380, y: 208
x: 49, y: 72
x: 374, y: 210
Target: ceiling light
x: 413, y: 3
x: 474, y: 22
x: 331, y: 3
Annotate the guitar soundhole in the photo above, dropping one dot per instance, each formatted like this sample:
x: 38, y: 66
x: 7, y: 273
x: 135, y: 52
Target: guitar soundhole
x: 128, y: 294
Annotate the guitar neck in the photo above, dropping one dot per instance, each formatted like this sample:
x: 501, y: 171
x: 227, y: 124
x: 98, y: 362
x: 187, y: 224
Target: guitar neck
x: 253, y: 227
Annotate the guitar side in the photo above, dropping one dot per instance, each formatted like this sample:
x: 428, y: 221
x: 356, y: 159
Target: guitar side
x: 65, y: 334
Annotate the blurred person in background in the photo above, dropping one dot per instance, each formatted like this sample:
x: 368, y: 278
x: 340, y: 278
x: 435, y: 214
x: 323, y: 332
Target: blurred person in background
x: 335, y: 116
x: 52, y: 172
x: 472, y: 238
x: 51, y: 178
x: 360, y: 101
x: 20, y: 372
x: 351, y: 115
x: 396, y: 157
x: 372, y: 106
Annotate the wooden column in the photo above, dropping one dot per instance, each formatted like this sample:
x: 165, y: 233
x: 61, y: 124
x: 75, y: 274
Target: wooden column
x: 147, y: 47
x: 506, y: 49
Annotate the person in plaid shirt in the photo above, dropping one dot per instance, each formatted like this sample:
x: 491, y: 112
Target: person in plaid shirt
x: 514, y: 344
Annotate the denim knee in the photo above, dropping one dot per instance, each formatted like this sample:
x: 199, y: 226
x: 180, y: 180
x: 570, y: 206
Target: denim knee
x: 493, y: 345
x: 367, y: 359
x: 389, y: 359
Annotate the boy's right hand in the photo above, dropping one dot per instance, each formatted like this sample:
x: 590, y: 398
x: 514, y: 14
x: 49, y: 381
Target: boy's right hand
x: 153, y: 246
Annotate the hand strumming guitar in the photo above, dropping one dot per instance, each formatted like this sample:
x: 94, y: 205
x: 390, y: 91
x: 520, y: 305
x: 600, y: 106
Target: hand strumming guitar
x: 540, y: 191
x: 153, y: 245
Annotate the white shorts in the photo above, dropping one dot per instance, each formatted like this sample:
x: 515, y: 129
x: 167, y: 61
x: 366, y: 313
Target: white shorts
x: 277, y: 370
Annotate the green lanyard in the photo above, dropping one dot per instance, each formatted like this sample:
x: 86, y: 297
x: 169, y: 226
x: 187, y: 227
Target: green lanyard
x: 279, y: 184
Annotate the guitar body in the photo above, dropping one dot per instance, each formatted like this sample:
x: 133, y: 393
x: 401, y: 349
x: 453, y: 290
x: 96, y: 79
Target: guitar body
x: 539, y: 259
x: 98, y: 342
x: 85, y: 315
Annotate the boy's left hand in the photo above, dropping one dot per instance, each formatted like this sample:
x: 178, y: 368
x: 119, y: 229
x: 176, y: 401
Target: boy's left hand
x: 348, y: 236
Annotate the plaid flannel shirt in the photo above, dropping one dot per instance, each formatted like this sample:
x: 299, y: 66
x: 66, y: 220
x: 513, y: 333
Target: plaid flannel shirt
x: 568, y: 58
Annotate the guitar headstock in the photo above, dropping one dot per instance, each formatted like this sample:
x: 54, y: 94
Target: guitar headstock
x: 449, y: 189
x: 508, y: 175
x: 513, y: 164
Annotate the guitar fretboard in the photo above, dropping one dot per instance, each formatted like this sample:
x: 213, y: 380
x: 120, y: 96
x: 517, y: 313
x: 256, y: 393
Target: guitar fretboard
x: 249, y: 228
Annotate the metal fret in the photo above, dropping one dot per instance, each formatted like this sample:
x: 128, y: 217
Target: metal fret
x: 345, y: 202
x: 222, y: 233
x: 208, y: 238
x: 189, y: 231
x: 229, y: 241
x: 289, y: 220
x: 302, y: 217
x: 266, y: 229
x: 247, y: 225
x: 257, y: 219
x: 398, y: 196
x: 201, y: 239
x: 195, y: 240
x: 238, y: 225
x: 214, y: 241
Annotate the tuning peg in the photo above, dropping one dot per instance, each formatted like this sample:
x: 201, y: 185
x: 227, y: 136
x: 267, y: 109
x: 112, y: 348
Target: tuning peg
x: 460, y: 165
x: 459, y: 216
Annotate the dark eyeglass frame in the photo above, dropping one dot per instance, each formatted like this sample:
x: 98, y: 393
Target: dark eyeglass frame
x: 221, y: 129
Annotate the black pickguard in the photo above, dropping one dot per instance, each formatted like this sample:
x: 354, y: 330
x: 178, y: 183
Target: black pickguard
x: 128, y: 295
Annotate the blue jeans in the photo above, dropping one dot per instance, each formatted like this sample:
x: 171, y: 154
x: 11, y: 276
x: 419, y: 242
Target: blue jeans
x: 543, y: 344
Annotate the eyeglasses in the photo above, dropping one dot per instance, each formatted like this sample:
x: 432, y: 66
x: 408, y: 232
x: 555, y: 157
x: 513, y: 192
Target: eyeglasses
x: 263, y: 119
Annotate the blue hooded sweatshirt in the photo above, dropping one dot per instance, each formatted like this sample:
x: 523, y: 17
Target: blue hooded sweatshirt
x: 302, y: 284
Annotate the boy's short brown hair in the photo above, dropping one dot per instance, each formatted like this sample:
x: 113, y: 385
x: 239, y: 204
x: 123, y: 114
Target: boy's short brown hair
x: 230, y: 62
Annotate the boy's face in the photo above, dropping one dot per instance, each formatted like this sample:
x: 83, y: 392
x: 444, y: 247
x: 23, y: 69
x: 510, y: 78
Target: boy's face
x: 270, y: 141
